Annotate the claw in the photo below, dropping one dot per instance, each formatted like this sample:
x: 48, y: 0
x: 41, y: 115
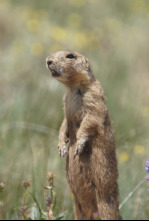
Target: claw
x: 67, y: 140
x: 62, y: 150
x: 80, y: 146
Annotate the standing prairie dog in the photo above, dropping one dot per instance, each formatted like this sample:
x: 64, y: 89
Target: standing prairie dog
x: 91, y: 159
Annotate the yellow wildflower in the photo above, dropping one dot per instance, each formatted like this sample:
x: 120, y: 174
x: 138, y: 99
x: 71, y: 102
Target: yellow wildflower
x: 4, y: 4
x: 145, y: 111
x: 33, y: 25
x: 80, y: 40
x: 58, y: 34
x: 26, y: 12
x: 94, y: 42
x: 139, y: 6
x: 71, y: 196
x: 139, y: 149
x: 37, y: 49
x: 112, y: 24
x: 35, y: 14
x: 77, y: 3
x: 94, y: 1
x: 38, y: 14
x: 74, y: 20
x: 124, y: 157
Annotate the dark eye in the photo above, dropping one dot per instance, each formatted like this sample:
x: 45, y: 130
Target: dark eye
x: 70, y: 56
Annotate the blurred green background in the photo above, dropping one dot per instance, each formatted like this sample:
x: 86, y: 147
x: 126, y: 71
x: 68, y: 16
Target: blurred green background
x: 114, y: 35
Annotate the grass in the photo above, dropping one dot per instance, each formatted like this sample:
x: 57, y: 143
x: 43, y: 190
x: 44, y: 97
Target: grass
x: 114, y: 36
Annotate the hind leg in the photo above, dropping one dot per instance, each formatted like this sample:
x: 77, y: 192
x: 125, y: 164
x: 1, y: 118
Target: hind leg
x: 108, y: 211
x: 79, y: 215
x: 108, y: 204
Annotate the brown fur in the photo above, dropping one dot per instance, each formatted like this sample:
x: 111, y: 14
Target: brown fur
x: 91, y: 160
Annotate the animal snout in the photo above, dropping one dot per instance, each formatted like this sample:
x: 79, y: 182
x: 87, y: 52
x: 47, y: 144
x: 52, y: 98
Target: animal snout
x: 49, y: 62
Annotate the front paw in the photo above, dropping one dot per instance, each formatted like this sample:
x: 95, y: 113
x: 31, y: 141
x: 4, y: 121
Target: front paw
x: 80, y: 146
x: 62, y: 149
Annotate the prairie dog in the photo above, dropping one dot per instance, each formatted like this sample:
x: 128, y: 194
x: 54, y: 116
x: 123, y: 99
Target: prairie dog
x: 91, y: 157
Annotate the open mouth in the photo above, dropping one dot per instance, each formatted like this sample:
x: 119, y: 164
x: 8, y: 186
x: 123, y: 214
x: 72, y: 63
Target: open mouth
x: 54, y: 73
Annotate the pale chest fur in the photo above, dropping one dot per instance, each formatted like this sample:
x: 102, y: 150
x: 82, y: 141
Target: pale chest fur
x: 74, y: 111
x: 74, y: 106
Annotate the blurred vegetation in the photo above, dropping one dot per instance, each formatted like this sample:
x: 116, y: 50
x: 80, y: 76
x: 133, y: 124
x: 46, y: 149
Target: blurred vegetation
x: 114, y: 35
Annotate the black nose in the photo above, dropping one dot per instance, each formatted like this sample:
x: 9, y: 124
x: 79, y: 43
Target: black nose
x: 49, y: 63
